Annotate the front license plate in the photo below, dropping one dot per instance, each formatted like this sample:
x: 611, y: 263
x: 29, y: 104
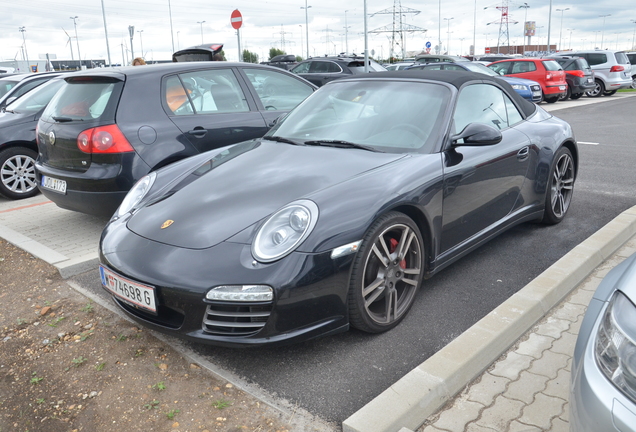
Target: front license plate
x: 142, y: 296
x: 54, y: 184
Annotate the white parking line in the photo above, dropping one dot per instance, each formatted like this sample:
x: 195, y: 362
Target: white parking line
x: 587, y: 143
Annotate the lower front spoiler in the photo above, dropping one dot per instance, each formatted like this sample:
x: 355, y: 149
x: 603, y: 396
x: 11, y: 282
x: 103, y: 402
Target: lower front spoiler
x: 323, y: 328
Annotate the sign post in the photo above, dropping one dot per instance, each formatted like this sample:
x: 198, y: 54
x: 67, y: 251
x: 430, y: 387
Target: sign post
x: 236, y: 19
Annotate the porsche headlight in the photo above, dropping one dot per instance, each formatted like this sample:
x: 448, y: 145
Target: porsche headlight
x: 518, y: 86
x: 136, y: 194
x: 285, y: 230
x: 615, y: 345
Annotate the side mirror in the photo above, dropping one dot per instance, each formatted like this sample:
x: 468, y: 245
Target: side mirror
x: 477, y: 134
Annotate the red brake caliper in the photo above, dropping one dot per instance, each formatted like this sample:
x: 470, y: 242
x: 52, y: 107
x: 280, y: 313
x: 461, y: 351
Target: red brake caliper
x: 393, y: 245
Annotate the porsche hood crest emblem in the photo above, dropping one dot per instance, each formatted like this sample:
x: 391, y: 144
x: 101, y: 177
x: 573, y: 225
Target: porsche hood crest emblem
x: 167, y: 223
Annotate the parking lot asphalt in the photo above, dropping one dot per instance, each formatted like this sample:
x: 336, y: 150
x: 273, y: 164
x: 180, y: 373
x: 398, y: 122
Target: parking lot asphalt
x: 69, y: 241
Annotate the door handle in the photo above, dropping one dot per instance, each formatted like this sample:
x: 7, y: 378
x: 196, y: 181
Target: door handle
x: 523, y: 153
x: 198, y: 132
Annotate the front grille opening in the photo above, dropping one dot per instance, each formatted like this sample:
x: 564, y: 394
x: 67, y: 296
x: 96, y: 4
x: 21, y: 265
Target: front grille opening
x: 236, y: 320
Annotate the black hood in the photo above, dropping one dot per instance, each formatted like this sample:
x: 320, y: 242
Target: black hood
x: 212, y: 206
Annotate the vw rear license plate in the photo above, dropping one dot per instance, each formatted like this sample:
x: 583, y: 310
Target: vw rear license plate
x: 54, y: 184
x: 136, y: 294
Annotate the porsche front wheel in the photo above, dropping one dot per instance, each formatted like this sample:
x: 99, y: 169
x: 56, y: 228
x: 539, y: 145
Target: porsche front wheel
x: 387, y: 273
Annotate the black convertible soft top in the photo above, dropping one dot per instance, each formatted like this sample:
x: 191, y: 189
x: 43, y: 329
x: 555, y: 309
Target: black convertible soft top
x: 456, y: 79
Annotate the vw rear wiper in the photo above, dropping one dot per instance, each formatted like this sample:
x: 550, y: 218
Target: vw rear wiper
x: 342, y: 144
x: 62, y: 119
x: 282, y: 139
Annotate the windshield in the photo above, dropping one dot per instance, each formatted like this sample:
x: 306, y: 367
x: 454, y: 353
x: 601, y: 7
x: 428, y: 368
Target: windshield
x: 478, y: 67
x: 6, y: 85
x: 36, y: 99
x: 388, y: 116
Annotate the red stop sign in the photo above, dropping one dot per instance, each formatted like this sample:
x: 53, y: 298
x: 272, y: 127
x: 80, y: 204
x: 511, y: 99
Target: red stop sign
x: 236, y: 19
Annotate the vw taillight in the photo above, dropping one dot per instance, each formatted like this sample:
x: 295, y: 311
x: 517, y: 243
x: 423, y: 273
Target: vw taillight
x: 577, y: 73
x: 103, y: 139
x: 617, y: 68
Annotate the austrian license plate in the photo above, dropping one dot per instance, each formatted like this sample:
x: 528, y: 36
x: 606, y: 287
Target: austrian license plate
x: 54, y: 184
x: 139, y: 295
x: 562, y: 88
x: 590, y: 80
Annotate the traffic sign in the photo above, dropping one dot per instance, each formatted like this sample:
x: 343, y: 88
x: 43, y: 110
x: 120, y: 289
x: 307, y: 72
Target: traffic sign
x: 428, y: 44
x: 236, y: 19
x: 487, y: 50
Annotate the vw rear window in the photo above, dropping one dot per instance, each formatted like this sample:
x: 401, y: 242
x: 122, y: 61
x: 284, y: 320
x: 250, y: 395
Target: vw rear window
x: 551, y: 65
x: 80, y: 101
x: 621, y: 58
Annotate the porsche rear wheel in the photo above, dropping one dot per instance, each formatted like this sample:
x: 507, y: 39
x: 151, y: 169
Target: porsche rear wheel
x: 561, y: 187
x: 387, y: 273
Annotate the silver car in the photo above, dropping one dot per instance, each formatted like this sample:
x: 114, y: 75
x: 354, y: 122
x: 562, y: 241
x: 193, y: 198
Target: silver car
x: 603, y: 387
x: 632, y: 59
x: 612, y: 70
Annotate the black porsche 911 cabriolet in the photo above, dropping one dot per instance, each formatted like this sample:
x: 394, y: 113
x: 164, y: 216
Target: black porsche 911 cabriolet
x: 337, y: 215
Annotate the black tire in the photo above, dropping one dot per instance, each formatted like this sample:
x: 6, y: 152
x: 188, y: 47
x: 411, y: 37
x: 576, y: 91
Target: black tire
x: 633, y: 82
x: 576, y: 96
x: 385, y: 278
x: 567, y: 95
x: 560, y: 187
x: 552, y: 99
x: 17, y: 173
x: 609, y: 92
x: 598, y: 90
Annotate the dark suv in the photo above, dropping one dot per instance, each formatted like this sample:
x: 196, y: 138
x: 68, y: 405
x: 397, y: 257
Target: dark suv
x: 107, y: 128
x: 578, y: 75
x: 321, y: 70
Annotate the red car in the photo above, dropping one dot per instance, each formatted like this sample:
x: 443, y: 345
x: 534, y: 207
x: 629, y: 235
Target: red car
x: 546, y: 72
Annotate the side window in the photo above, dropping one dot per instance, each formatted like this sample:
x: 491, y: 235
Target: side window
x: 523, y: 67
x: 452, y: 67
x: 434, y: 67
x: 176, y: 96
x: 500, y: 68
x: 480, y: 103
x: 514, y: 116
x: 214, y: 91
x: 25, y: 88
x: 333, y: 67
x: 277, y: 91
x: 596, y: 59
x: 302, y: 68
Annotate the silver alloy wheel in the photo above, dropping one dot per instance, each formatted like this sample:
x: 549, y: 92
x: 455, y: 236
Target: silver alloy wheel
x: 392, y: 273
x: 597, y: 90
x: 18, y: 174
x: 562, y: 185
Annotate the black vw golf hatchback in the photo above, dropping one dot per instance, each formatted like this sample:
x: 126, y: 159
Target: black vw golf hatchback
x: 107, y: 128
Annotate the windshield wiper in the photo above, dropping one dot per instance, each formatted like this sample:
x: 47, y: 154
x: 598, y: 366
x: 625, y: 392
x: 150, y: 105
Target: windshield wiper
x: 9, y: 111
x: 62, y: 119
x: 282, y: 139
x: 342, y: 144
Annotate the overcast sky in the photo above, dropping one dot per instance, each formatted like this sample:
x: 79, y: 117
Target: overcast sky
x: 281, y: 24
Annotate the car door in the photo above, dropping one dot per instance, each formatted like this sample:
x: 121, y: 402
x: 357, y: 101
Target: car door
x: 276, y: 93
x: 482, y: 184
x: 211, y: 108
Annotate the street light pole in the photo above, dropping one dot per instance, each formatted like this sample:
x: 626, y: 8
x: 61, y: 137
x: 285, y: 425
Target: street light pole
x: 448, y: 38
x: 171, y: 33
x: 570, y: 30
x: 474, y: 32
x: 201, y: 22
x: 561, y: 30
x: 346, y: 34
x: 634, y: 35
x: 141, y: 42
x: 525, y: 20
x: 439, y: 27
x: 26, y: 54
x: 603, y: 30
x: 547, y: 45
x: 178, y: 45
x: 306, y: 27
x: 77, y: 40
x: 106, y: 33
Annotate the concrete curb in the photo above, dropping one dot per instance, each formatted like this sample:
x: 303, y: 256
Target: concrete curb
x: 424, y: 390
